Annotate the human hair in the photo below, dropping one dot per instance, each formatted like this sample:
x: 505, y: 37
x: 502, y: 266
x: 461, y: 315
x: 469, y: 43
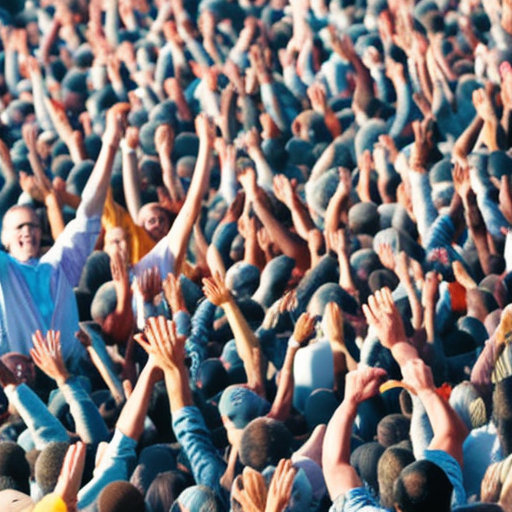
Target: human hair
x: 502, y: 413
x: 164, y: 490
x: 423, y: 487
x: 264, y: 443
x: 49, y: 464
x: 390, y: 465
x: 14, y: 465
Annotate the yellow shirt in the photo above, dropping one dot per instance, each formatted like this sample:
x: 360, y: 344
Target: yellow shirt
x: 138, y: 239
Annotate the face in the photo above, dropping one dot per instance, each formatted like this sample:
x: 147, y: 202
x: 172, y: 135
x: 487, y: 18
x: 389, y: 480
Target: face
x: 115, y: 240
x: 156, y: 223
x: 22, y: 234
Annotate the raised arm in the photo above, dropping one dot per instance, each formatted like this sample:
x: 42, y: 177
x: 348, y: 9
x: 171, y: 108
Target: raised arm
x: 449, y: 429
x: 247, y: 343
x: 282, y: 405
x: 48, y: 357
x: 340, y: 476
x: 95, y: 191
x: 182, y: 228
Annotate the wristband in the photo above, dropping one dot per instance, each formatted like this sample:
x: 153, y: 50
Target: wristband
x: 293, y: 343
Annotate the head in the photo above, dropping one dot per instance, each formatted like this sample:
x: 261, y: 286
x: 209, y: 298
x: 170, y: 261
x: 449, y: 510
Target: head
x: 13, y: 464
x: 164, y: 490
x: 264, y: 443
x: 49, y: 464
x: 422, y: 487
x: 155, y: 220
x: 502, y: 413
x: 21, y: 233
x: 116, y: 240
x: 390, y: 465
x: 22, y: 366
x: 121, y: 497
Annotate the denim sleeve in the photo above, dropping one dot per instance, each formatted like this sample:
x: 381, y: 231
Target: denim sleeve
x: 193, y: 435
x: 272, y: 106
x: 422, y: 204
x: 421, y: 430
x: 43, y: 425
x: 403, y: 110
x: 202, y: 323
x: 453, y: 471
x: 294, y: 83
x: 164, y: 65
x: 117, y: 463
x: 182, y: 321
x: 222, y: 239
x: 493, y: 218
x: 88, y: 421
x: 356, y: 500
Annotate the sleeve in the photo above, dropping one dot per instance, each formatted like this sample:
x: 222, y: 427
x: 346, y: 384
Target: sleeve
x: 355, y: 500
x: 453, y: 471
x: 88, y: 421
x: 73, y: 246
x: 117, y: 463
x: 193, y: 435
x: 160, y: 256
x: 42, y: 424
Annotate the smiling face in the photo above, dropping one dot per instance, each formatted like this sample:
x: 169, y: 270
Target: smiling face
x: 21, y: 233
x: 155, y: 221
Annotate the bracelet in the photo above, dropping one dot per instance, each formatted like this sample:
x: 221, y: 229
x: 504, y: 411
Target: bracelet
x: 293, y: 343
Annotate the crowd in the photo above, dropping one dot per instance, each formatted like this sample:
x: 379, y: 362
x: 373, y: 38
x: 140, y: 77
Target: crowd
x: 257, y: 256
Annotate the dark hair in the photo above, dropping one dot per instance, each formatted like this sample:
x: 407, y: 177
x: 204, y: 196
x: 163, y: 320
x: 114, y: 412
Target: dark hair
x: 264, y: 443
x: 390, y: 465
x: 14, y: 465
x: 502, y: 413
x: 49, y: 464
x: 423, y: 487
x: 165, y: 489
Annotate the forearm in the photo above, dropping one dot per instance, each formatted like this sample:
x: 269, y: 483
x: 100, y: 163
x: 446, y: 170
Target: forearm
x: 43, y: 426
x: 131, y: 183
x: 302, y: 221
x: 282, y: 405
x: 263, y: 170
x: 131, y: 419
x: 340, y: 476
x: 449, y: 430
x: 291, y: 246
x: 119, y: 324
x: 182, y: 227
x: 88, y: 421
x: 54, y: 213
x: 336, y: 207
x: 178, y: 388
x: 245, y: 339
x: 95, y: 191
x: 403, y: 107
x: 112, y: 23
x: 468, y: 138
x: 38, y: 92
x: 12, y: 74
x: 403, y: 352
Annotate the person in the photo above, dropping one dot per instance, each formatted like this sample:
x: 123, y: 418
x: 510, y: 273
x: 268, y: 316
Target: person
x: 37, y: 290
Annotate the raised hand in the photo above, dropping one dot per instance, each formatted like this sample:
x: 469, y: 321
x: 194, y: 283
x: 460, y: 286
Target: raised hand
x: 173, y: 294
x: 47, y: 355
x: 161, y: 341
x: 386, y: 256
x: 334, y: 323
x: 363, y: 383
x: 250, y: 491
x: 284, y: 189
x: 418, y: 376
x: 304, y: 329
x: 164, y: 139
x: 280, y: 489
x: 382, y: 314
x: 150, y: 283
x: 422, y: 144
x: 205, y: 129
x: 116, y: 123
x: 215, y: 290
x: 70, y: 477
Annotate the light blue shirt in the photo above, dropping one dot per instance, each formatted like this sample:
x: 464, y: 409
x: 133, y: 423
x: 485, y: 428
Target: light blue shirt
x: 39, y: 294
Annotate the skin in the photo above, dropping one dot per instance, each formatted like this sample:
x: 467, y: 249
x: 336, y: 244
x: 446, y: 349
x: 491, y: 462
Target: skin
x: 154, y: 221
x: 22, y: 233
x: 115, y: 239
